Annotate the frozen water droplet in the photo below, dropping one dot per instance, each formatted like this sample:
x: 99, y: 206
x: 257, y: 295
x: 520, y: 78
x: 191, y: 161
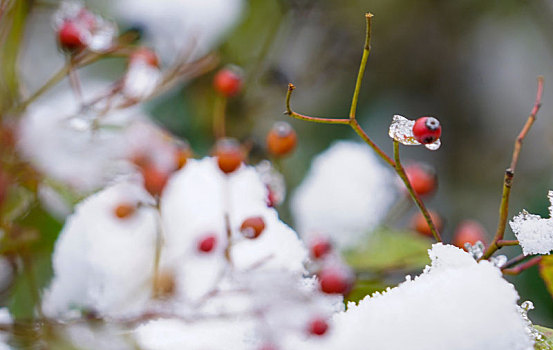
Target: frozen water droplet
x: 434, y: 145
x: 401, y: 130
x: 476, y: 250
x: 527, y: 305
x: 498, y: 261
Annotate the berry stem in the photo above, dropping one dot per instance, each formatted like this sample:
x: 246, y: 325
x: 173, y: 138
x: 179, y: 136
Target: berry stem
x: 293, y: 114
x: 74, y: 80
x: 219, y: 122
x: 522, y: 267
x: 401, y: 172
x: 364, y: 58
x: 510, y: 173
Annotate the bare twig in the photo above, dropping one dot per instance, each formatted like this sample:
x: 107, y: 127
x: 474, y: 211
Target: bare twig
x: 510, y: 173
x: 522, y: 267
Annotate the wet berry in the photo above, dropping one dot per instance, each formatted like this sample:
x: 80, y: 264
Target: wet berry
x: 252, y: 227
x: 419, y: 224
x: 422, y: 178
x: 427, y: 130
x: 281, y: 139
x: 335, y: 280
x: 124, y: 210
x: 320, y: 247
x: 227, y: 82
x: 207, y: 244
x: 469, y: 231
x: 229, y: 155
x: 318, y: 326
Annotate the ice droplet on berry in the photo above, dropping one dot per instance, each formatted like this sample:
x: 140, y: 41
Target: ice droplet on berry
x: 401, y: 130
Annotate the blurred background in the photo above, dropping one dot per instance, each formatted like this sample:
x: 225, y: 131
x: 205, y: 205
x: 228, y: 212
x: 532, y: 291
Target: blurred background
x: 472, y: 64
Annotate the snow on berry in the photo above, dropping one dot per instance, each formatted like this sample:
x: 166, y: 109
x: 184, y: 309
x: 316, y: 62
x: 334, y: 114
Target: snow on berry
x: 345, y: 195
x: 143, y: 75
x: 534, y: 233
x: 401, y: 130
x: 79, y: 28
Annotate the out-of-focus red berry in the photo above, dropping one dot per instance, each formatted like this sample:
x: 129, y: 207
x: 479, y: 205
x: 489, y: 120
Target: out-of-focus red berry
x: 227, y: 82
x: 335, y: 280
x: 252, y: 227
x: 320, y: 247
x: 154, y: 179
x: 318, y: 326
x: 469, y: 231
x: 427, y: 130
x: 281, y: 139
x: 124, y: 210
x: 4, y: 186
x: 422, y: 178
x: 71, y: 36
x: 206, y: 244
x: 419, y: 224
x: 181, y: 156
x: 144, y: 55
x: 229, y: 155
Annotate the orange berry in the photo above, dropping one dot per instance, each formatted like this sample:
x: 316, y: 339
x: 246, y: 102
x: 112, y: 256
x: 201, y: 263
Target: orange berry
x: 419, y: 224
x: 281, y: 139
x: 229, y: 155
x: 154, y: 179
x: 469, y: 231
x: 252, y: 227
x: 124, y: 210
x: 422, y: 178
x: 181, y: 156
x: 228, y: 82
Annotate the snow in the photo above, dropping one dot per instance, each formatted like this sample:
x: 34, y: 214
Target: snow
x: 346, y: 194
x: 535, y: 234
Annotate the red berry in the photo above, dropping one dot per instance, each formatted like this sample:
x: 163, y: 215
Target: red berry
x: 71, y: 36
x: 154, y: 179
x: 318, y: 326
x: 227, y: 82
x: 125, y: 210
x: 469, y: 231
x: 422, y: 178
x: 281, y: 139
x: 252, y: 227
x: 144, y: 55
x: 272, y: 200
x: 427, y: 130
x: 229, y: 155
x: 419, y: 224
x: 320, y: 247
x: 181, y: 156
x: 335, y: 281
x: 4, y: 186
x: 206, y: 244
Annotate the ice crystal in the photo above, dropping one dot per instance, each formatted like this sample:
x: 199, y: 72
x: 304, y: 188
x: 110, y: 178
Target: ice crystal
x: 534, y: 233
x: 498, y: 261
x: 476, y: 250
x: 401, y: 130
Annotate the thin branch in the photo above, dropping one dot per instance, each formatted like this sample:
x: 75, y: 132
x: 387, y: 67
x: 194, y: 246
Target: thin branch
x: 364, y: 58
x: 510, y: 173
x: 293, y: 114
x: 401, y: 172
x: 522, y: 267
x: 219, y: 111
x: 506, y: 243
x: 515, y: 261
